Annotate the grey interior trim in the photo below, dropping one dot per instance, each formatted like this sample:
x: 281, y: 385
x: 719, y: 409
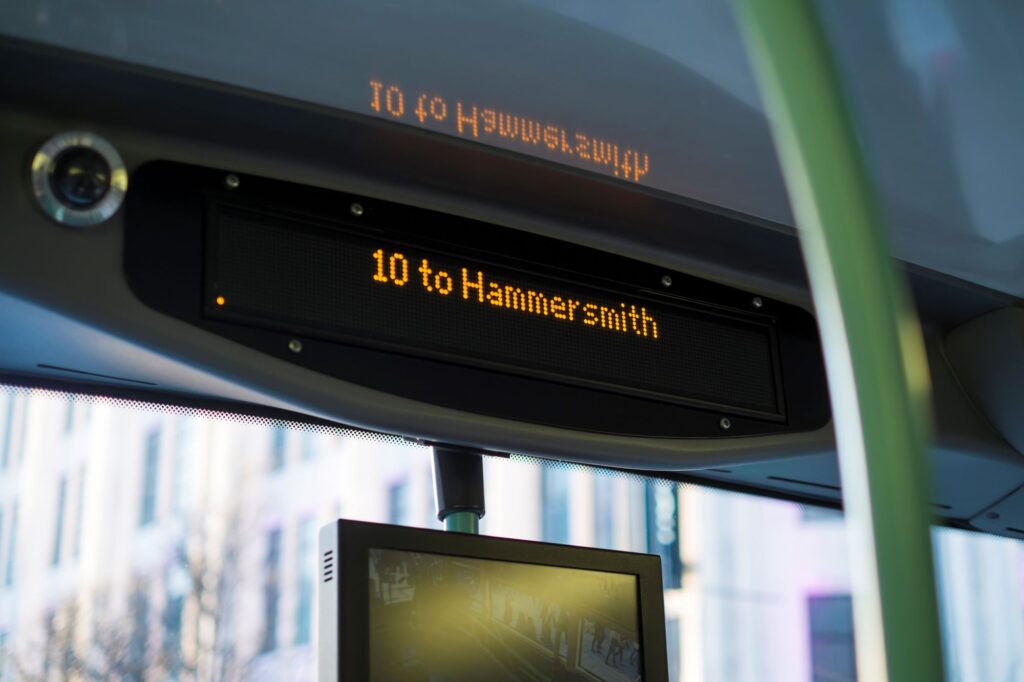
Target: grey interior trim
x: 987, y: 355
x: 1006, y: 517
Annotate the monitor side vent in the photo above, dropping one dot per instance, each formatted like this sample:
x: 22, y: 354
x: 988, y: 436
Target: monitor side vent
x: 328, y: 566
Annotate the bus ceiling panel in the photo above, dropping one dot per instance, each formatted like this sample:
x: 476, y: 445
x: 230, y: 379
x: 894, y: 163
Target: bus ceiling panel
x: 812, y: 476
x: 234, y: 129
x: 477, y: 72
x: 49, y: 90
x: 1006, y: 517
x: 959, y: 425
x: 971, y: 462
x: 987, y: 355
x: 934, y: 88
x: 965, y: 481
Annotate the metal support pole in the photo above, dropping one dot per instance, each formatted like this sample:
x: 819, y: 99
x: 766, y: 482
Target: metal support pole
x: 459, y: 488
x: 877, y: 369
x: 462, y: 522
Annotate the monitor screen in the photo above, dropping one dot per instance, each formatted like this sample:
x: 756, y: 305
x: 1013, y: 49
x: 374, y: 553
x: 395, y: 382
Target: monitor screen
x: 436, y: 617
x: 404, y: 604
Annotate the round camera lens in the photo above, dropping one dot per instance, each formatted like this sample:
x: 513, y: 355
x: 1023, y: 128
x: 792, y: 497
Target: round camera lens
x: 81, y: 177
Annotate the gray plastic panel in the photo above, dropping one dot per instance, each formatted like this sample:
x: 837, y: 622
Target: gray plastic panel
x: 935, y: 87
x: 987, y: 354
x: 1006, y: 517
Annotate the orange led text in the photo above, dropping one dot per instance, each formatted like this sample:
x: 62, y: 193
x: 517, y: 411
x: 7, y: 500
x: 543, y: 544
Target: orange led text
x: 473, y: 285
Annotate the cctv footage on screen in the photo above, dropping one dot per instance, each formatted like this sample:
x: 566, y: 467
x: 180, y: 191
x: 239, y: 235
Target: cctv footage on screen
x: 459, y: 619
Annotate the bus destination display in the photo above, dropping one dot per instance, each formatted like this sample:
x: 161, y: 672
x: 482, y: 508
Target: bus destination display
x: 367, y: 290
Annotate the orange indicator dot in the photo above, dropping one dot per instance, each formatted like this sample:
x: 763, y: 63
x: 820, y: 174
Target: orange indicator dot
x: 221, y: 300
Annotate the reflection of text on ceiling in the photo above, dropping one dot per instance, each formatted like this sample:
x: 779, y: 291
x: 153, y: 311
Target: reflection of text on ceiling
x: 470, y: 120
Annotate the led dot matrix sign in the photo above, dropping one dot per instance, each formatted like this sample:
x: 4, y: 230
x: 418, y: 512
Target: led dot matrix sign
x: 465, y: 315
x: 340, y: 281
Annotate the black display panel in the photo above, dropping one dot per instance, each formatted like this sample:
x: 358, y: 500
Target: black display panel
x: 338, y: 282
x: 294, y: 268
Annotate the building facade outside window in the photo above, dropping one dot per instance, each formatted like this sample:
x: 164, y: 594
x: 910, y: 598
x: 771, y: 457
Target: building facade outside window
x: 223, y: 587
x: 185, y: 446
x: 271, y: 590
x: 8, y: 433
x: 76, y: 541
x: 279, y: 440
x: 672, y: 638
x: 138, y: 643
x: 555, y: 504
x: 150, y: 478
x: 833, y: 656
x: 398, y: 502
x: 12, y: 548
x: 604, y: 510
x: 306, y: 570
x: 3, y: 657
x: 58, y: 534
x: 663, y: 530
x: 309, y: 446
x: 174, y: 607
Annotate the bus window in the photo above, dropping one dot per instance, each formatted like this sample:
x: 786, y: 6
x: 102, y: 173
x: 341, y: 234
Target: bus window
x: 150, y: 542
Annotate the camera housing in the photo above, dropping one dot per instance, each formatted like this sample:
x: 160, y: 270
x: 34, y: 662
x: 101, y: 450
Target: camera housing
x: 78, y: 179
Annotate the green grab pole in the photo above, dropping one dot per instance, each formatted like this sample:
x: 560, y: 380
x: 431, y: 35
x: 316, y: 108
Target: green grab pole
x: 462, y: 522
x: 874, y: 353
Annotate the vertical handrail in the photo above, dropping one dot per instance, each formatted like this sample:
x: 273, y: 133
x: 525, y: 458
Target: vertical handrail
x: 462, y: 522
x: 874, y: 353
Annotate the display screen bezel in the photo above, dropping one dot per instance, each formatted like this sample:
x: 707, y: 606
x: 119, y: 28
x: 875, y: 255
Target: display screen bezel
x: 356, y: 539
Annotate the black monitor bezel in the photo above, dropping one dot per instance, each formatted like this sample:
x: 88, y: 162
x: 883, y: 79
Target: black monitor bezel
x: 357, y: 538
